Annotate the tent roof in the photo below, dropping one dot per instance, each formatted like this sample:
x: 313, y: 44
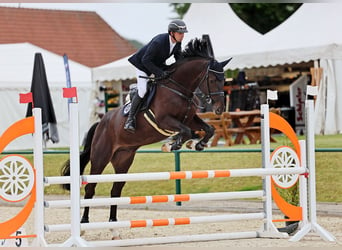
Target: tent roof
x: 310, y: 33
x: 16, y: 64
x: 120, y: 69
x: 83, y: 35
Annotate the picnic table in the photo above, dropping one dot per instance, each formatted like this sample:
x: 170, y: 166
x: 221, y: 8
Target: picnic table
x: 235, y: 127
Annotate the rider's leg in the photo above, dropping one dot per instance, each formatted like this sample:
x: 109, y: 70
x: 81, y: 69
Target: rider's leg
x: 130, y: 122
x: 136, y: 101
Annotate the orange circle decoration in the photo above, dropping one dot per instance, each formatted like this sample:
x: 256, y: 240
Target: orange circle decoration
x: 13, y: 188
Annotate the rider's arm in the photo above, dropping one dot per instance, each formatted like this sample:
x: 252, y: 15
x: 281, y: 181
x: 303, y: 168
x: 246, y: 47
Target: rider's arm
x: 150, y: 55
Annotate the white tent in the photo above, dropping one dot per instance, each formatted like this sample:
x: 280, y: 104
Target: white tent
x: 117, y: 70
x: 16, y: 69
x: 311, y: 33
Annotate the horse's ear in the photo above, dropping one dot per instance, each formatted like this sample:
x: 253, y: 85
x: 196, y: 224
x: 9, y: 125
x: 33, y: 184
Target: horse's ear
x: 224, y: 63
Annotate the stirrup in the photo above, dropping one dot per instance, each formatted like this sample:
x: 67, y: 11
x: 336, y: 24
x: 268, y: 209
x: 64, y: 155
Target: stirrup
x: 130, y: 126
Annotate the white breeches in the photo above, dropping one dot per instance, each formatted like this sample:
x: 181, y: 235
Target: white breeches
x: 141, y: 83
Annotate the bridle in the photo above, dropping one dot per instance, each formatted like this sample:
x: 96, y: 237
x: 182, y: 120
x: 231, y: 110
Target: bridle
x: 209, y: 97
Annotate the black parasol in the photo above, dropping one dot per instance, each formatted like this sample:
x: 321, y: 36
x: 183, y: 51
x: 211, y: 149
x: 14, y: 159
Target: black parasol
x: 42, y: 99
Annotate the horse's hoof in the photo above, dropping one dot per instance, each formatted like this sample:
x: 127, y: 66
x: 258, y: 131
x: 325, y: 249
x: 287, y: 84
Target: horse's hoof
x: 174, y: 149
x: 84, y: 220
x: 116, y: 238
x: 82, y: 232
x: 191, y: 144
x: 200, y: 146
x: 175, y: 146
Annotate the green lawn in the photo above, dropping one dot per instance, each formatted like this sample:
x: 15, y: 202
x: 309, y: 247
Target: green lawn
x: 328, y: 168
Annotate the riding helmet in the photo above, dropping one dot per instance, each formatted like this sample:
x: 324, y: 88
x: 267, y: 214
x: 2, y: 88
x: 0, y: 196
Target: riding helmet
x: 177, y: 25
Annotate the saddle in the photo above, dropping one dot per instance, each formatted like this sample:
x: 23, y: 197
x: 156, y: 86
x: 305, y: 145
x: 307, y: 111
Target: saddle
x: 151, y: 90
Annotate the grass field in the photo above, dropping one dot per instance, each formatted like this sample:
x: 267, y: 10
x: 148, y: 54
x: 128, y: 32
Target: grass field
x: 328, y: 168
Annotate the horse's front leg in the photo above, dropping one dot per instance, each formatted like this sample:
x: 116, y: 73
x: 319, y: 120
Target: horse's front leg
x: 183, y: 135
x: 209, y: 132
x: 197, y: 125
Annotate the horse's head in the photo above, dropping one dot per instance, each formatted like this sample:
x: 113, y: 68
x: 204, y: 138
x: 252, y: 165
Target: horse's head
x: 211, y: 74
x: 212, y: 86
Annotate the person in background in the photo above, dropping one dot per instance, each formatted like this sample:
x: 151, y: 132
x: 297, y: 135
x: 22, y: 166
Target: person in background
x: 151, y: 59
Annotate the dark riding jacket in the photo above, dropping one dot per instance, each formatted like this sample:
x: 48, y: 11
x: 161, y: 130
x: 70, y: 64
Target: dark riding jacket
x: 151, y: 58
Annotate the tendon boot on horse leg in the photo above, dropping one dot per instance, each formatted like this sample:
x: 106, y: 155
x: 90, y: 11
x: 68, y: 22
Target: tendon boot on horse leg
x: 181, y: 138
x: 130, y: 122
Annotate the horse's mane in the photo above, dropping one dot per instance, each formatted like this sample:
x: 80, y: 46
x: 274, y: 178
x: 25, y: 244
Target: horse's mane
x: 197, y: 48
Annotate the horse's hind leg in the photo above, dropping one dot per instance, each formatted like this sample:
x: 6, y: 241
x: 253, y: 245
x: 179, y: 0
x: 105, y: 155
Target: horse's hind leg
x: 89, y: 194
x: 121, y: 161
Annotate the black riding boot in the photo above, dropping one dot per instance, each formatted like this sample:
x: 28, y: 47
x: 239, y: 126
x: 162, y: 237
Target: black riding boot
x: 130, y: 123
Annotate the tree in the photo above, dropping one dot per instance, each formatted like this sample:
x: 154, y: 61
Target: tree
x: 263, y: 17
x: 260, y: 16
x: 180, y: 9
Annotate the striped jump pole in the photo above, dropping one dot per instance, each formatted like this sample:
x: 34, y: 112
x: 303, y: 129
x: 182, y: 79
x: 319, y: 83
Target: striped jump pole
x: 156, y: 176
x: 158, y: 222
x: 157, y: 199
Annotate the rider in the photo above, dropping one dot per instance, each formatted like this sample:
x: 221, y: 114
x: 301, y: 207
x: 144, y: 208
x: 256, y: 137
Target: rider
x: 150, y: 59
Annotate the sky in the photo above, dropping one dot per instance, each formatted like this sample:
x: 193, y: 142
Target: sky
x: 138, y: 21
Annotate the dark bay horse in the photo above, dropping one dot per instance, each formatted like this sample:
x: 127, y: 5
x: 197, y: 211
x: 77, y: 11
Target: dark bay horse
x: 174, y: 107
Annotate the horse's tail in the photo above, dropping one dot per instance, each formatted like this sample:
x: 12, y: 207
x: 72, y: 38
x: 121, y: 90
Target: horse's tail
x: 84, y: 156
